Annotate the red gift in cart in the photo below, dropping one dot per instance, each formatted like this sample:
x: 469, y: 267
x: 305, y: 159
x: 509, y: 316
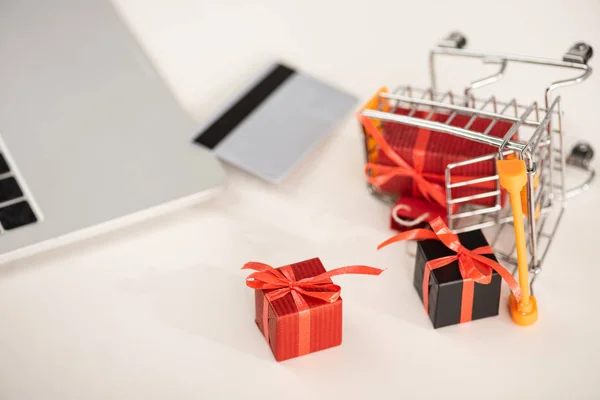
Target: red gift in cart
x: 410, y: 213
x: 410, y: 161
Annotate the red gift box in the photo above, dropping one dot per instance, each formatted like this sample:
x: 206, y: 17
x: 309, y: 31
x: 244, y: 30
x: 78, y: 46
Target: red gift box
x: 426, y: 154
x: 298, y: 308
x: 409, y: 213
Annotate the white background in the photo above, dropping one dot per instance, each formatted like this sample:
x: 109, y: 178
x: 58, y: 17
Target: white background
x: 160, y: 310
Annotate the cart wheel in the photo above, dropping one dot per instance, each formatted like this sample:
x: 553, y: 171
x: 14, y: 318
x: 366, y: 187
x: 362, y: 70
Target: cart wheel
x: 581, y: 155
x: 580, y: 53
x: 455, y: 40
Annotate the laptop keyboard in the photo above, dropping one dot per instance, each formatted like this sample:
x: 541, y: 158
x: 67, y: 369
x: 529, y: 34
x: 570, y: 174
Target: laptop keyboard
x: 15, y: 210
x: 3, y: 165
x: 9, y: 190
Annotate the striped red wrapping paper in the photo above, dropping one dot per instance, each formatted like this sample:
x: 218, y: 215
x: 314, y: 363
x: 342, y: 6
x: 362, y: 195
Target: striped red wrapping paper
x: 439, y: 150
x: 283, y: 318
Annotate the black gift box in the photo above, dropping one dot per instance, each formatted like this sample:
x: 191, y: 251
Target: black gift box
x: 446, y: 283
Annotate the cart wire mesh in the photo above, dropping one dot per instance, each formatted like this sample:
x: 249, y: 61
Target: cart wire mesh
x: 539, y: 144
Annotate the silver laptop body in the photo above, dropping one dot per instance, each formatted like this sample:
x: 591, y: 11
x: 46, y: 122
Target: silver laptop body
x: 90, y: 136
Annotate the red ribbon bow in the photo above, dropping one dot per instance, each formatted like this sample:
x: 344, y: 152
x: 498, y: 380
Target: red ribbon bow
x: 429, y: 190
x: 473, y: 266
x: 284, y: 282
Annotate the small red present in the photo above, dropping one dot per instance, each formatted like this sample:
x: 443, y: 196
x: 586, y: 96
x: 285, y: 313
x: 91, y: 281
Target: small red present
x: 298, y: 308
x: 411, y: 161
x: 410, y: 213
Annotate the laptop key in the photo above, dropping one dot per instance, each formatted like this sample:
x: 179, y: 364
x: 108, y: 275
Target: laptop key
x: 16, y: 215
x: 9, y: 190
x: 3, y: 165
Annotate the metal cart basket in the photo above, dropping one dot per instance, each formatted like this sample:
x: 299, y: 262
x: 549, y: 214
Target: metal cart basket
x: 539, y: 145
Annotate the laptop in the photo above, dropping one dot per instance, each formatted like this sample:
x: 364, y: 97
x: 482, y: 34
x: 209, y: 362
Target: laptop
x: 91, y: 138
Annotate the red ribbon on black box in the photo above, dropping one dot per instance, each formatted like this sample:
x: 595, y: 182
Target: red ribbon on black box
x: 298, y: 308
x: 473, y: 266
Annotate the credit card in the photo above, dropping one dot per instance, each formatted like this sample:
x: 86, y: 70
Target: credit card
x: 269, y: 128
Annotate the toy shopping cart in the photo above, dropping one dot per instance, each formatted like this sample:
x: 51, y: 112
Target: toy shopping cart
x: 531, y: 169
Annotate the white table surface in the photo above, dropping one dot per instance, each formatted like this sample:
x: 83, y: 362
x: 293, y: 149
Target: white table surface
x: 160, y: 310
